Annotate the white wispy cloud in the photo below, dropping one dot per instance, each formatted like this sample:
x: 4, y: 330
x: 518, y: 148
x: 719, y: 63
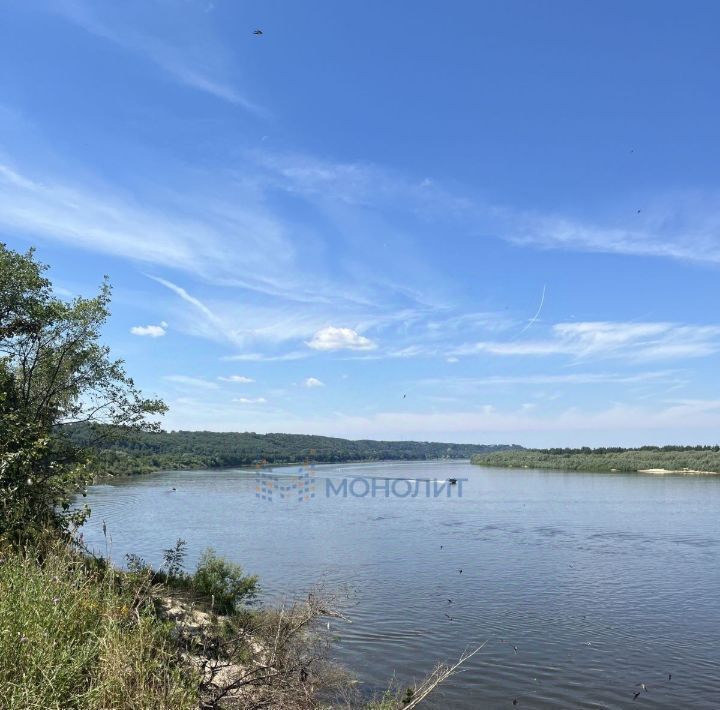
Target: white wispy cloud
x: 151, y: 331
x: 311, y: 382
x: 196, y: 382
x: 677, y: 226
x: 358, y: 183
x: 250, y: 400
x: 680, y: 225
x: 262, y: 357
x: 586, y: 378
x: 239, y: 379
x: 99, y: 221
x: 636, y: 341
x: 196, y: 61
x: 332, y: 338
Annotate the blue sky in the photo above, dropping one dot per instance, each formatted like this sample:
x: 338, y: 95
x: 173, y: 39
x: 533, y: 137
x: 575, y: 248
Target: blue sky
x: 468, y: 221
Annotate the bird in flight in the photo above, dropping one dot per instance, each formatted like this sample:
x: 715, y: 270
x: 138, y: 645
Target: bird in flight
x: 258, y: 32
x: 635, y: 697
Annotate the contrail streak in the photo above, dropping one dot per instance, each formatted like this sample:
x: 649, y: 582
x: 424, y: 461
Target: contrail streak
x: 537, y: 314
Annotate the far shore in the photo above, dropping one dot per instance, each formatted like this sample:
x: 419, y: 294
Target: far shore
x: 652, y: 460
x: 103, y: 477
x: 688, y: 471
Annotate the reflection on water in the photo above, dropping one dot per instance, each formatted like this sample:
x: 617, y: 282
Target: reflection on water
x: 601, y: 581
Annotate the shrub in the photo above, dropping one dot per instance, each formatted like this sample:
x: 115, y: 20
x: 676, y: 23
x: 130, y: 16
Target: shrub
x: 223, y: 581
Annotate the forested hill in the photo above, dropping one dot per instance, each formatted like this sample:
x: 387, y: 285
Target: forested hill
x: 670, y: 458
x: 144, y: 452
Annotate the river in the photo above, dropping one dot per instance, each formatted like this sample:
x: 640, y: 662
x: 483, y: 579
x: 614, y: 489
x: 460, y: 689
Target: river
x: 583, y: 585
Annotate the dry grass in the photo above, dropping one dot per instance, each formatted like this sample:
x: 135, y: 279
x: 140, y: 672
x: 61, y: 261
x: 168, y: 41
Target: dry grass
x: 76, y: 635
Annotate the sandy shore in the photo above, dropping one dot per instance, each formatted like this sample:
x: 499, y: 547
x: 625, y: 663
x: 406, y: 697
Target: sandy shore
x: 688, y: 471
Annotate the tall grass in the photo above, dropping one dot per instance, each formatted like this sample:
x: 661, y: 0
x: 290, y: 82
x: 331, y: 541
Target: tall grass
x: 77, y: 635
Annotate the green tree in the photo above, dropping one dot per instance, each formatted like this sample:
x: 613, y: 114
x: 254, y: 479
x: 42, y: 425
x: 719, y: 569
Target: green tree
x: 53, y: 371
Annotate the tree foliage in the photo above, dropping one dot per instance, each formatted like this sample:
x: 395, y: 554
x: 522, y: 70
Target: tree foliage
x: 53, y: 371
x: 154, y: 451
x: 671, y: 458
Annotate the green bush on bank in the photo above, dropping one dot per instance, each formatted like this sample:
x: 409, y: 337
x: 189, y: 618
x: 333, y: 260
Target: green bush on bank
x: 223, y: 582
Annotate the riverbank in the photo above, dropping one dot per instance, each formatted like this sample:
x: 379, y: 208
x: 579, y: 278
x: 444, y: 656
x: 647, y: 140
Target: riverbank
x: 665, y: 460
x: 75, y: 632
x: 106, y: 477
x: 122, y: 451
x: 684, y: 471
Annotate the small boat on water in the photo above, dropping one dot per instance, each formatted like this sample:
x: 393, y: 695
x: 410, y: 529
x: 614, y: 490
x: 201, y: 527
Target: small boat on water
x: 452, y: 481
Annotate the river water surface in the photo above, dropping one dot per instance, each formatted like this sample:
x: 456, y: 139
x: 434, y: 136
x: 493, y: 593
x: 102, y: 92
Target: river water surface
x: 583, y: 584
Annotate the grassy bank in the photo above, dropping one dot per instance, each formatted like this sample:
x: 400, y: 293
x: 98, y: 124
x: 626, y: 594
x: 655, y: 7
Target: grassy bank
x: 74, y: 634
x: 670, y: 459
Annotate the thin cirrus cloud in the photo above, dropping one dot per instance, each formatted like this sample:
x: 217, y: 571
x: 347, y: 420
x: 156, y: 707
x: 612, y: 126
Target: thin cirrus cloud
x: 150, y: 331
x: 332, y: 338
x: 635, y: 341
x: 197, y: 62
x: 238, y: 379
x: 462, y: 385
x: 193, y: 382
x: 682, y: 229
x: 263, y: 258
x: 261, y: 357
x: 99, y: 220
x: 675, y: 226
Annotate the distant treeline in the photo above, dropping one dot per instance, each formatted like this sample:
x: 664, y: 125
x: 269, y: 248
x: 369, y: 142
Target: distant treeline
x: 128, y: 453
x: 672, y: 458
